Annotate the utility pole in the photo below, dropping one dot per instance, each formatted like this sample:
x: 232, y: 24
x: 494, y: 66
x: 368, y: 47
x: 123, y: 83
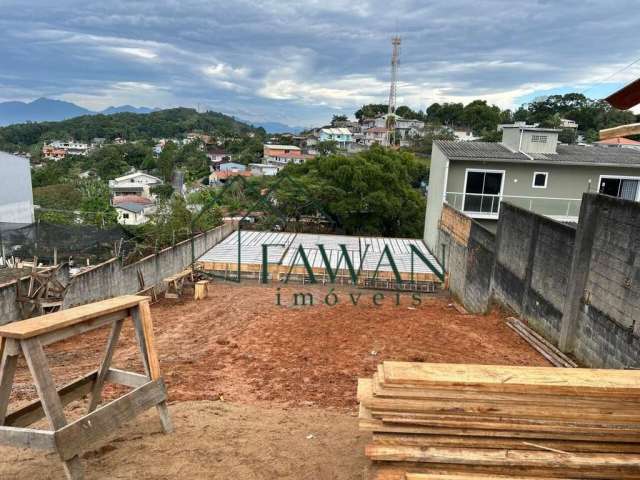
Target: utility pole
x: 391, y: 114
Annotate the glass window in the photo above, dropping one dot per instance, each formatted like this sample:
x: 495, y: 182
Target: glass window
x: 539, y: 138
x: 540, y: 179
x: 626, y: 188
x: 482, y: 193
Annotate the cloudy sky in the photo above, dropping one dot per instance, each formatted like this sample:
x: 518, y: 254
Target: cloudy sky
x: 299, y: 62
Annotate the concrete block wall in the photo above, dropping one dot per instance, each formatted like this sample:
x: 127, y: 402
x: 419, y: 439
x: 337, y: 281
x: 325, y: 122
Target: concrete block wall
x: 111, y: 278
x: 532, y: 269
x: 579, y: 289
x: 606, y: 326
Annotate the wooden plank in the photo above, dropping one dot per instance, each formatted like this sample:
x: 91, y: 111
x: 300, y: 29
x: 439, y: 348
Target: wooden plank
x: 27, y: 438
x: 398, y: 470
x: 33, y: 412
x: 495, y: 457
x: 466, y: 476
x: 621, y: 131
x: 149, y: 339
x: 442, y: 440
x: 39, y: 368
x: 8, y: 364
x: 500, y: 378
x: 86, y: 431
x: 96, y: 392
x: 80, y: 328
x: 462, y: 408
x: 566, y: 401
x: 65, y: 318
x: 545, y: 348
x: 129, y: 379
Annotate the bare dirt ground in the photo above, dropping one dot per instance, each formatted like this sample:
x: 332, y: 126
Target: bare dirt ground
x: 268, y: 376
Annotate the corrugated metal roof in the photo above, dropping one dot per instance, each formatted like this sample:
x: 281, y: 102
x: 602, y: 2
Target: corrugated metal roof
x: 567, y: 154
x: 370, y: 247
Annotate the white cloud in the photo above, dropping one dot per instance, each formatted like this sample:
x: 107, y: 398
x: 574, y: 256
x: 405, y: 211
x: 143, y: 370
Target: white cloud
x: 122, y: 93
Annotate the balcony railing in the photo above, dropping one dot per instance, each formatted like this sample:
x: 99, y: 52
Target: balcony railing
x: 478, y: 205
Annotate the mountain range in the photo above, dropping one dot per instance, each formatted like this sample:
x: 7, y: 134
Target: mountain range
x: 49, y: 110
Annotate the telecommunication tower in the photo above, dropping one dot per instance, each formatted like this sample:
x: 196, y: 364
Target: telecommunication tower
x: 391, y: 114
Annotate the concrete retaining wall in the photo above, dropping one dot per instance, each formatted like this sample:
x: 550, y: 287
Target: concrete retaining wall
x: 580, y: 290
x: 111, y: 278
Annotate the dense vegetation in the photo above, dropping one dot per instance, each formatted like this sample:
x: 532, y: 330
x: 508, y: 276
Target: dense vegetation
x: 170, y: 123
x: 483, y: 119
x: 375, y: 192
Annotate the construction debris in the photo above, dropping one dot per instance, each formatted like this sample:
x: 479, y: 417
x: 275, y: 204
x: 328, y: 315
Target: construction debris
x: 45, y: 293
x: 453, y: 421
x: 546, y: 349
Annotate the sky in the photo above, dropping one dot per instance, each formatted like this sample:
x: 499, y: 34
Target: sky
x: 300, y: 62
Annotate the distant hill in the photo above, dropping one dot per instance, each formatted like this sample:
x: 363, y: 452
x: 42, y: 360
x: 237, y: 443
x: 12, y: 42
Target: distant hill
x: 49, y: 110
x: 275, y: 127
x: 39, y: 110
x: 126, y: 109
x: 175, y: 122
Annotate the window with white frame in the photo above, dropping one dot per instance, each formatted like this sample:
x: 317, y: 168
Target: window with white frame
x: 539, y: 138
x: 540, y: 179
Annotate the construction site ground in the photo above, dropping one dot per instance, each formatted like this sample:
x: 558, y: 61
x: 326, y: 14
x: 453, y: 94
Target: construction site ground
x: 259, y: 390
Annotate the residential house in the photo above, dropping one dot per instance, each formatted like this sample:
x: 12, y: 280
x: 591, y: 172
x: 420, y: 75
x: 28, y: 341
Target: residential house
x: 463, y: 135
x: 16, y: 197
x: 619, y: 142
x: 342, y: 136
x: 405, y: 128
x: 219, y: 178
x: 58, y: 149
x: 135, y: 183
x: 529, y: 169
x: 258, y: 169
x: 134, y: 213
x: 217, y: 157
x: 133, y: 209
x: 282, y: 155
x: 566, y: 123
x: 379, y: 135
x: 232, y: 167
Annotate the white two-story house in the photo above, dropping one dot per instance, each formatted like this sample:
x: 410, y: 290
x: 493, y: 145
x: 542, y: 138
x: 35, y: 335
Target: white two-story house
x: 530, y: 169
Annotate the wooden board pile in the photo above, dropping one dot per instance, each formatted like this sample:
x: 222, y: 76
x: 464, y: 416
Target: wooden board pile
x: 453, y: 422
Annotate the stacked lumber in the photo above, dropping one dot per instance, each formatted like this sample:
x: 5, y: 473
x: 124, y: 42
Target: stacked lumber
x: 453, y: 422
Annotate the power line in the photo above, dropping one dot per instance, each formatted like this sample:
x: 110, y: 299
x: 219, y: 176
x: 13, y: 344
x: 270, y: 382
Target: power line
x: 612, y: 75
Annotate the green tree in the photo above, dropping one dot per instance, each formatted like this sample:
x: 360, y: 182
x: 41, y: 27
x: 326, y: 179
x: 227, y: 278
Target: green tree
x: 373, y: 192
x: 339, y: 118
x: 166, y: 161
x: 110, y: 162
x: 327, y: 147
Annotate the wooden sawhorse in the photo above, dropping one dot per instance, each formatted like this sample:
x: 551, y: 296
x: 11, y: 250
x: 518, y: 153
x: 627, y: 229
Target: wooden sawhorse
x: 69, y: 440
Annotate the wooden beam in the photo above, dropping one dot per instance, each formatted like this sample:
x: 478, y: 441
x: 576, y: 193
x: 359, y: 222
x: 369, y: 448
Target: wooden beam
x: 74, y: 438
x: 621, y: 131
x: 27, y: 438
x: 128, y: 379
x: 33, y: 412
x: 80, y: 328
x: 65, y: 318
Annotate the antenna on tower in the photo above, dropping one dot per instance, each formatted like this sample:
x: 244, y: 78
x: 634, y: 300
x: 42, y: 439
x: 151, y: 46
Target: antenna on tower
x: 391, y: 114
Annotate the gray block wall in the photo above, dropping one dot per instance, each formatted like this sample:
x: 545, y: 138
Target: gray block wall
x: 579, y: 289
x: 111, y: 278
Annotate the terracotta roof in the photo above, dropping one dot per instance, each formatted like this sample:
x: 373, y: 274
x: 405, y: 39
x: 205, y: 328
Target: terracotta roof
x: 226, y: 174
x: 618, y: 141
x: 132, y: 199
